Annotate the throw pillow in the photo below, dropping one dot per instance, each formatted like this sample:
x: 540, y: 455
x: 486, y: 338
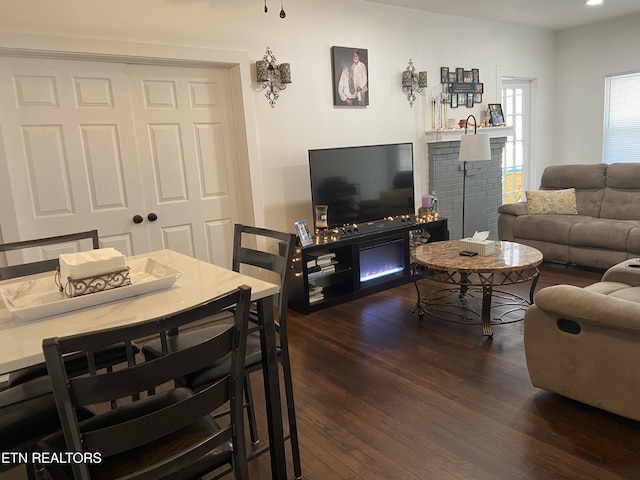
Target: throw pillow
x: 552, y: 202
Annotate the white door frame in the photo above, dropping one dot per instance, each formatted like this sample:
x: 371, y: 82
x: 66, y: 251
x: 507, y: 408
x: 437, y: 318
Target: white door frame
x: 55, y: 47
x: 532, y: 169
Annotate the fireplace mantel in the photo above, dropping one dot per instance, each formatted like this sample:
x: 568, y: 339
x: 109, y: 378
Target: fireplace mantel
x: 454, y: 134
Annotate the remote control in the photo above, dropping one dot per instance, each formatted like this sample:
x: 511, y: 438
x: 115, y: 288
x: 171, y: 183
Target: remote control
x: 466, y: 253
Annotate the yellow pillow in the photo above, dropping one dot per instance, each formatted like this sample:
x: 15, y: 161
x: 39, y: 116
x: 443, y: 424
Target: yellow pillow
x: 552, y: 202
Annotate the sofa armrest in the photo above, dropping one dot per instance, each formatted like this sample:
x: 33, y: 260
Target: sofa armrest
x: 575, y: 303
x: 621, y: 273
x: 507, y: 214
x: 516, y: 209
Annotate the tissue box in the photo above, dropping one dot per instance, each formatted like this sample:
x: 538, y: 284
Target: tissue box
x: 481, y: 247
x: 93, y: 271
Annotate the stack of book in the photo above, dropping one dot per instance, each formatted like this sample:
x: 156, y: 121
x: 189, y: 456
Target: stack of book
x: 315, y: 293
x: 321, y: 265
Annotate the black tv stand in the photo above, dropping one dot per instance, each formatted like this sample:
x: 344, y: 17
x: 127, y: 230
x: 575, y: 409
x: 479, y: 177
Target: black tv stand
x: 384, y: 224
x: 358, y: 260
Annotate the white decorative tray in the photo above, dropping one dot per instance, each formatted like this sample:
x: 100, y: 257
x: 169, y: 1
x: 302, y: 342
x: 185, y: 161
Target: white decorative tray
x: 41, y: 297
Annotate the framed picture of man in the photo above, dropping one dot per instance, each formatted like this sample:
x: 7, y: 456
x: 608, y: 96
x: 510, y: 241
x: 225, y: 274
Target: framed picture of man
x: 350, y: 76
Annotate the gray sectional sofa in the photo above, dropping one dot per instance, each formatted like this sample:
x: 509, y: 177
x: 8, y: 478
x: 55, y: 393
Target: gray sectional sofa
x: 606, y: 229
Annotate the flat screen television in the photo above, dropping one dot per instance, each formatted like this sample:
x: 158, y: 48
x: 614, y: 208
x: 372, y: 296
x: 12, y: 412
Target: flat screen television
x: 362, y: 184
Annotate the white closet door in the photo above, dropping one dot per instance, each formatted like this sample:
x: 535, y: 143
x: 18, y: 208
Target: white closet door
x: 186, y: 147
x: 70, y: 150
x: 93, y: 144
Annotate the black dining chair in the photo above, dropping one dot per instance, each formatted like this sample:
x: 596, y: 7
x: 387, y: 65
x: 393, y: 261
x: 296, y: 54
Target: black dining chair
x: 277, y: 263
x: 27, y: 414
x: 110, y: 356
x: 40, y: 266
x: 166, y: 435
x: 27, y: 406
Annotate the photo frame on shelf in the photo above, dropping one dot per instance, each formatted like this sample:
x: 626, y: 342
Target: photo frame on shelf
x: 454, y: 100
x: 468, y: 76
x: 495, y: 114
x: 475, y: 72
x: 460, y: 75
x: 462, y: 99
x: 477, y: 98
x: 302, y: 229
x: 452, y: 76
x: 479, y: 87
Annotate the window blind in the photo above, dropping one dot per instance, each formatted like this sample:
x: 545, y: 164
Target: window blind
x: 621, y: 136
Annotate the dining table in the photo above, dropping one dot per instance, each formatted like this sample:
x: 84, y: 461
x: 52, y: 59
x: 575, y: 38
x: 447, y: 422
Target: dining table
x: 191, y: 282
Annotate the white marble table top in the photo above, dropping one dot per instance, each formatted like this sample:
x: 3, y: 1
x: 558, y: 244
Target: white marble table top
x: 21, y: 341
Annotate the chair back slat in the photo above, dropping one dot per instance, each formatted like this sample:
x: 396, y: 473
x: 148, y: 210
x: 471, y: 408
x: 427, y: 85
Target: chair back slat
x: 151, y: 419
x: 280, y: 262
x: 136, y: 431
x: 90, y: 390
x: 48, y: 265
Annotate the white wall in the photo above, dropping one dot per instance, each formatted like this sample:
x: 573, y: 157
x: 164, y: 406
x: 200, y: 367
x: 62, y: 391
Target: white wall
x: 305, y: 117
x: 584, y: 57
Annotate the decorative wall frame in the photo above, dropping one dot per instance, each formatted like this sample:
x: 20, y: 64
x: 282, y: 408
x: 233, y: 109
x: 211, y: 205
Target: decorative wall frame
x: 350, y: 76
x: 463, y: 87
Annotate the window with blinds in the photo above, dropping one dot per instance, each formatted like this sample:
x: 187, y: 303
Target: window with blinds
x: 621, y: 136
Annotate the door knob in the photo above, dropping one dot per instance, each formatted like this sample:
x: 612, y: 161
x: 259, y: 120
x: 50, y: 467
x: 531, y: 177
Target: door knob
x: 138, y: 219
x: 152, y: 217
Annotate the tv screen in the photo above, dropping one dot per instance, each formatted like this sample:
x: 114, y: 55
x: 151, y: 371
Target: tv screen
x: 362, y: 184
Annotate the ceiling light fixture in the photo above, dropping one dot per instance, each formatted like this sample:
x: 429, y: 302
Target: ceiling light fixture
x: 591, y: 3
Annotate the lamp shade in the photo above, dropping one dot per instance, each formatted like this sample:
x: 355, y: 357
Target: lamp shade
x: 407, y: 78
x: 261, y: 71
x: 475, y: 148
x: 285, y: 73
x: 422, y: 79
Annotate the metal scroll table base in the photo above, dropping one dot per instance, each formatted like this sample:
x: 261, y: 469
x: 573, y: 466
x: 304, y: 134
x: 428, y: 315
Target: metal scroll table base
x: 474, y: 300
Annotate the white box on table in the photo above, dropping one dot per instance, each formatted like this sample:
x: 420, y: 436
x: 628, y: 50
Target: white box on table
x: 481, y: 247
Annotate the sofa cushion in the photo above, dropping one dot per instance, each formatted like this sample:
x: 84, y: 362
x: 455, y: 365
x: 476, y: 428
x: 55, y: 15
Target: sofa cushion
x: 547, y: 228
x: 588, y: 180
x: 552, y: 202
x: 633, y: 242
x: 601, y: 233
x: 606, y: 288
x: 631, y: 294
x: 622, y: 195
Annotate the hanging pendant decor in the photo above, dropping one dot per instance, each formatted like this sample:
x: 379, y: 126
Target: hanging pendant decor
x: 283, y: 14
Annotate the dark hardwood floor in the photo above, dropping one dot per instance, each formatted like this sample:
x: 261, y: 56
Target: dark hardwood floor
x: 383, y: 395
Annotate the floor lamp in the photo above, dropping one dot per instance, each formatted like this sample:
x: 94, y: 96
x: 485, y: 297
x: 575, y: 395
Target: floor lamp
x: 473, y: 148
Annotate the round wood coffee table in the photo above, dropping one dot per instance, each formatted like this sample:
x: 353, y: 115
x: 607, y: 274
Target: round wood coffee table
x: 475, y: 278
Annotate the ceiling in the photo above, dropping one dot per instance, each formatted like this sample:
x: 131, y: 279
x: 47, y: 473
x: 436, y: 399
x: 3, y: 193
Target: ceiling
x: 547, y: 14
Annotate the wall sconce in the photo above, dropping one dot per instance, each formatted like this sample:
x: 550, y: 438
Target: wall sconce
x: 413, y: 82
x: 272, y: 76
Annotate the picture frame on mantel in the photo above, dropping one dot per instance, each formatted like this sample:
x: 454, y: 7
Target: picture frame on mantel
x: 350, y: 76
x: 495, y: 114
